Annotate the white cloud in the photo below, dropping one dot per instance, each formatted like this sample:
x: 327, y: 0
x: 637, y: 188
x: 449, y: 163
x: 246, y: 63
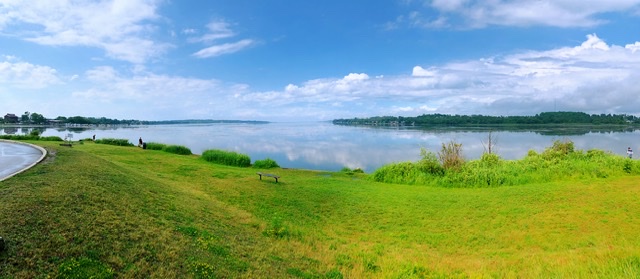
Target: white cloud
x: 592, y: 77
x: 478, y: 13
x: 121, y: 27
x: 144, y: 95
x: 422, y: 72
x: 354, y: 77
x: 222, y: 49
x: 219, y: 30
x: 633, y: 47
x: 27, y: 76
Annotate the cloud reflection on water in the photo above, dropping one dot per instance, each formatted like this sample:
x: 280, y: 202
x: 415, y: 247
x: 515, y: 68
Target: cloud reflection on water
x: 324, y: 146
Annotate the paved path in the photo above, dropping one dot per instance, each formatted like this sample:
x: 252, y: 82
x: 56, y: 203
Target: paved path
x: 16, y: 157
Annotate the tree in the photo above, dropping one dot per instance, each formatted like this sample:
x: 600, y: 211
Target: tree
x: 37, y: 118
x: 25, y: 117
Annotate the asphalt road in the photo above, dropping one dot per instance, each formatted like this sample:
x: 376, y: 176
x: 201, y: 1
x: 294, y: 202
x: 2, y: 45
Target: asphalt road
x: 17, y: 157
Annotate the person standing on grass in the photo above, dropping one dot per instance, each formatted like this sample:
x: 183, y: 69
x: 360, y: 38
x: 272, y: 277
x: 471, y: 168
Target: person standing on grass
x: 629, y: 152
x: 140, y: 142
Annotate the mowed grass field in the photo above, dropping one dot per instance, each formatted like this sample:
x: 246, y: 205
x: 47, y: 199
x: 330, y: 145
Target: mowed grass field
x: 123, y: 212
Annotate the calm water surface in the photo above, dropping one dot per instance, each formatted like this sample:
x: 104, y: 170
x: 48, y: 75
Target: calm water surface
x: 324, y: 146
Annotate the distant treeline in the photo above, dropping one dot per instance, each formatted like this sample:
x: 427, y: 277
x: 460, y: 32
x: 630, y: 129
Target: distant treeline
x: 34, y: 118
x: 201, y: 121
x: 81, y: 120
x: 562, y: 117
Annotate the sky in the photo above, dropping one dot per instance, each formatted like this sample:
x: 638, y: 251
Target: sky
x: 316, y: 60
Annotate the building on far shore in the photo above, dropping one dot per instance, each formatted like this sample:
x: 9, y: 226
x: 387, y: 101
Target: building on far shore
x: 11, y: 118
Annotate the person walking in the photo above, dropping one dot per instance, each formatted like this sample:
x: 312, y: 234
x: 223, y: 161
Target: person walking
x: 629, y: 153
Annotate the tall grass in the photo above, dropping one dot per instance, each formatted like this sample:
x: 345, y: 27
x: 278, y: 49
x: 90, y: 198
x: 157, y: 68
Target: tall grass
x: 177, y: 149
x: 156, y: 146
x: 228, y: 158
x: 557, y: 162
x: 116, y: 142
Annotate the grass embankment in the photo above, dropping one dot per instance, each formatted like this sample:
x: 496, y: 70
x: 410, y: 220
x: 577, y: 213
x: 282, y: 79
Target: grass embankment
x: 131, y: 213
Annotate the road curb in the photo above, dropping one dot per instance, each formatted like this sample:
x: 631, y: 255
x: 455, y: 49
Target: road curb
x: 42, y: 150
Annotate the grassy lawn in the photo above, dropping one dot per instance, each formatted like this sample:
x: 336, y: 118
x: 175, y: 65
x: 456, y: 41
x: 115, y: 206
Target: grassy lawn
x: 109, y: 211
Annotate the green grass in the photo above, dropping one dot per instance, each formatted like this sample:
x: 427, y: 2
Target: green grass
x: 228, y: 158
x: 125, y: 212
x: 557, y: 163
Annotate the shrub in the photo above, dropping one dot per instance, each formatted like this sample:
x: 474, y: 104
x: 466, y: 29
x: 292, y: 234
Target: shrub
x: 155, y: 146
x: 559, y: 149
x: 351, y: 171
x: 490, y: 159
x: 19, y: 137
x: 265, y: 164
x: 51, y: 138
x: 228, y: 158
x: 451, y: 156
x: 117, y: 142
x: 177, y: 149
x: 429, y: 163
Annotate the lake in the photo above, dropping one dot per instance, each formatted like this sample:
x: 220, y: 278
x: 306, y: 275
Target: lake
x: 324, y: 146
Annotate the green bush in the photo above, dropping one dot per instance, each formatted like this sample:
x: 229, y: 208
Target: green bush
x: 155, y: 146
x: 177, y: 149
x: 228, y: 158
x: 351, y: 171
x: 429, y: 163
x: 19, y: 137
x: 117, y: 142
x: 51, y: 138
x: 559, y: 162
x: 265, y: 164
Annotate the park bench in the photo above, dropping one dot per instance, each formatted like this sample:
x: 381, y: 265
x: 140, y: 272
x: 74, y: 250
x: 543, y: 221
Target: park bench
x: 269, y: 175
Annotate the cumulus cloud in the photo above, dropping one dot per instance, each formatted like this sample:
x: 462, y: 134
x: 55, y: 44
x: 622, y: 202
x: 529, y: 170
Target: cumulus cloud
x: 594, y: 77
x: 145, y: 95
x: 121, y: 27
x: 478, y: 13
x: 25, y: 75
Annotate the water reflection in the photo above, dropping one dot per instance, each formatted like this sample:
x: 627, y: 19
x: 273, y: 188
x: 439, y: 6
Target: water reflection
x: 324, y: 146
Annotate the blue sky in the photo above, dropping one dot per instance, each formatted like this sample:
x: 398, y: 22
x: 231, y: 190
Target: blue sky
x: 285, y: 60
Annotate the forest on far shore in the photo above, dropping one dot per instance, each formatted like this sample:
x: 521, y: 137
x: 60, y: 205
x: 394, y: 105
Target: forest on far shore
x: 560, y: 117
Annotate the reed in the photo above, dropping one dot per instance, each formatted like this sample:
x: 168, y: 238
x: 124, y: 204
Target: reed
x: 228, y: 158
x: 177, y: 149
x: 116, y: 142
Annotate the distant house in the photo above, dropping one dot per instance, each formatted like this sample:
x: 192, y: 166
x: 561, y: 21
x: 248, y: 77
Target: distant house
x: 11, y: 118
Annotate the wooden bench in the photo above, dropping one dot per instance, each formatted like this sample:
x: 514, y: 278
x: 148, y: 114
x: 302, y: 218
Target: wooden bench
x: 269, y: 175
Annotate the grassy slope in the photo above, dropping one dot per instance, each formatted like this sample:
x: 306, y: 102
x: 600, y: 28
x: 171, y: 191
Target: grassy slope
x: 132, y: 213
